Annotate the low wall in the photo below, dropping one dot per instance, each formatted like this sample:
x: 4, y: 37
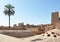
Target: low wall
x: 17, y: 33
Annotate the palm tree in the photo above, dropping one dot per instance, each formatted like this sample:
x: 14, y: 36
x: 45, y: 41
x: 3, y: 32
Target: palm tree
x: 9, y: 10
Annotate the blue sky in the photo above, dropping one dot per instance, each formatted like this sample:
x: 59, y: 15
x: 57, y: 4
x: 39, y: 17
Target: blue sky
x: 29, y: 11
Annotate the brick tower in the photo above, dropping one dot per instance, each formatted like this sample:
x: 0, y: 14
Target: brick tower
x: 55, y: 18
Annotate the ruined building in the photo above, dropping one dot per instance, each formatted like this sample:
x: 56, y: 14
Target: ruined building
x: 38, y: 29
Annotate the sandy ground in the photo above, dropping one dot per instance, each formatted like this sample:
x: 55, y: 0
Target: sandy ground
x: 5, y: 38
x: 36, y: 38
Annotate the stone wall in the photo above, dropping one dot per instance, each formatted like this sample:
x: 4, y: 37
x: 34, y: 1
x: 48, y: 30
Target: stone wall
x: 56, y: 19
x: 17, y: 33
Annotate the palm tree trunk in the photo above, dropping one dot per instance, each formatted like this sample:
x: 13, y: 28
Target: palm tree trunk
x: 9, y: 21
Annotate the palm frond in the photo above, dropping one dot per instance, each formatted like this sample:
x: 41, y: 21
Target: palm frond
x: 9, y: 6
x: 12, y: 12
x: 6, y: 12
